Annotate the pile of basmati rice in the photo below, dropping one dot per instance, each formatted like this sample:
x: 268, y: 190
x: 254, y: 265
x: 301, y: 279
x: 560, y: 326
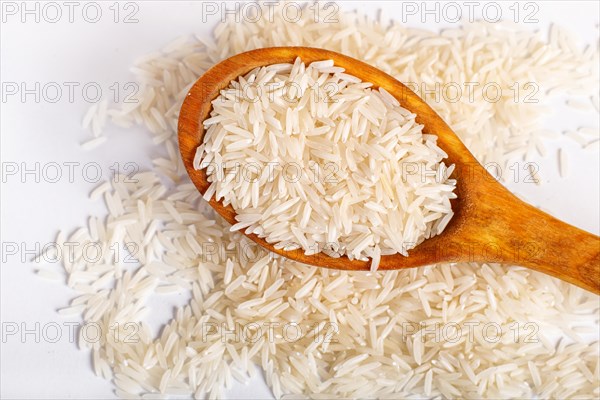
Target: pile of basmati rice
x: 463, y: 330
x: 350, y: 190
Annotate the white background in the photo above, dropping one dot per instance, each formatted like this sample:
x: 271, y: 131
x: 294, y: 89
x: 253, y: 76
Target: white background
x: 50, y: 132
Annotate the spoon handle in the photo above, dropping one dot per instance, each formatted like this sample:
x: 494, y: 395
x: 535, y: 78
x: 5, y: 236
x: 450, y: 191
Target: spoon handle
x: 563, y: 251
x: 541, y: 242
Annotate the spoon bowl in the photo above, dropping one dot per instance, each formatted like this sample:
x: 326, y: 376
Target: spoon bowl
x: 490, y: 224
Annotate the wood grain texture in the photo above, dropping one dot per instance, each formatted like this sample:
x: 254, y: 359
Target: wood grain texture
x: 490, y: 224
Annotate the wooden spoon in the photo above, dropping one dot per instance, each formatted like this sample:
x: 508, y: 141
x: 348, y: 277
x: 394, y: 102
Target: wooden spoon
x: 490, y: 224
